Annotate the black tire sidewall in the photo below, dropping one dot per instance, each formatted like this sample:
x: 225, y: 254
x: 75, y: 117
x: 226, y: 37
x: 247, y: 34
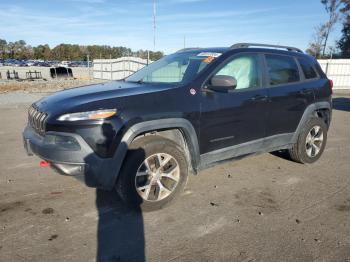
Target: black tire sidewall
x: 139, y: 151
x: 302, y: 140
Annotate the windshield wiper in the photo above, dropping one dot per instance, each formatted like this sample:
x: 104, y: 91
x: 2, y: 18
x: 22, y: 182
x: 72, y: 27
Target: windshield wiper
x: 137, y: 82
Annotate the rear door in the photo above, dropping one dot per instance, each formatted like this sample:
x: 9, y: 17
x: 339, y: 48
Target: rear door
x: 289, y: 94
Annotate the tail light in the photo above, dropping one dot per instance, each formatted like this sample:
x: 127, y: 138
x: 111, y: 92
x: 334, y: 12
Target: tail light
x: 331, y: 84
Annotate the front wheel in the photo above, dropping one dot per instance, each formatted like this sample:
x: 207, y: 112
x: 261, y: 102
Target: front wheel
x: 311, y: 142
x: 154, y: 172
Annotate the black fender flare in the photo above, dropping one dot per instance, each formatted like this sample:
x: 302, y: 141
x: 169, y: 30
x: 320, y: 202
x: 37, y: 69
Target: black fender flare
x: 308, y: 113
x: 184, y: 125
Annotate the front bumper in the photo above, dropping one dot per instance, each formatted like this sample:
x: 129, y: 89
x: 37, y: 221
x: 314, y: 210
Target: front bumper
x: 69, y: 154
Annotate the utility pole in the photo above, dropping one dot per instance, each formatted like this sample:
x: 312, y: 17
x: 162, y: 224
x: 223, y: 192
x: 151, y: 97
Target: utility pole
x: 88, y: 63
x: 111, y: 65
x: 154, y: 25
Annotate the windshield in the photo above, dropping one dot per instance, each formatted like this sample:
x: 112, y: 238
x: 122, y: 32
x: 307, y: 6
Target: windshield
x: 174, y: 69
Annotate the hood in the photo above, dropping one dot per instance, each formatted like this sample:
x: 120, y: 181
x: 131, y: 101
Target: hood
x: 73, y: 99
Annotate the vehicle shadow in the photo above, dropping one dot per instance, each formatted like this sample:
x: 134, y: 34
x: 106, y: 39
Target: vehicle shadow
x: 120, y: 231
x: 281, y: 154
x: 341, y: 103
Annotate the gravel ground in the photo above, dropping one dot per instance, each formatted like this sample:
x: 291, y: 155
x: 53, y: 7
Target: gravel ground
x: 19, y: 98
x: 262, y: 208
x: 43, y: 86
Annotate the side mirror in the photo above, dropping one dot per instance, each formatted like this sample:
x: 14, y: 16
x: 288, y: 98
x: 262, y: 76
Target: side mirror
x: 223, y: 83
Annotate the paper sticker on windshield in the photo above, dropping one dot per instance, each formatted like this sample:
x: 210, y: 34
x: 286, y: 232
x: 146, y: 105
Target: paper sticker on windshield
x: 212, y: 54
x: 209, y: 59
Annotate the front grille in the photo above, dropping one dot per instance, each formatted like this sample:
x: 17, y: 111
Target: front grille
x: 37, y: 119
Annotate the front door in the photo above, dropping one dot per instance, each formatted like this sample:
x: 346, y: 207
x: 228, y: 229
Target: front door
x: 235, y: 117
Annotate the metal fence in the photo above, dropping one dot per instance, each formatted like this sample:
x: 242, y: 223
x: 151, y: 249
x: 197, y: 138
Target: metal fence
x: 116, y: 69
x: 338, y: 70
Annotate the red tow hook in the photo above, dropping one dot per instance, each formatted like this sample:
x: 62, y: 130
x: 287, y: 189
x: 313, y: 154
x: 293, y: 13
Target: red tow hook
x: 44, y: 163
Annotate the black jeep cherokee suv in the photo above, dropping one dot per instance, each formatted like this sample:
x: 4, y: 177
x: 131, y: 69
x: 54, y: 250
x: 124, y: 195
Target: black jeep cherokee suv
x: 187, y: 111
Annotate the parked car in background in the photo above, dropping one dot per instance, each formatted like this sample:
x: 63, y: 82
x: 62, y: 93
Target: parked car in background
x: 44, y: 64
x: 7, y: 62
x: 64, y: 63
x: 86, y: 64
x: 10, y: 62
x: 74, y: 64
x: 53, y: 63
x: 29, y: 62
x: 14, y: 62
x: 78, y: 64
x: 22, y: 63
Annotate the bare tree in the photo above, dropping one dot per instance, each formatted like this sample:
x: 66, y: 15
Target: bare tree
x: 333, y: 8
x: 346, y: 7
x: 333, y: 50
x: 316, y: 45
x: 3, y: 47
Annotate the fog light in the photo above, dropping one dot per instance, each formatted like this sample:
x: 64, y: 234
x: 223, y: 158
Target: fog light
x: 64, y: 142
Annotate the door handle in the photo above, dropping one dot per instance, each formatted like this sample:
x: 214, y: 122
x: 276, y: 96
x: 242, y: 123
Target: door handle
x: 305, y: 92
x: 259, y: 98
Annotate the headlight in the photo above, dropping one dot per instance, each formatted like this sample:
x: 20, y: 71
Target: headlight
x: 91, y: 115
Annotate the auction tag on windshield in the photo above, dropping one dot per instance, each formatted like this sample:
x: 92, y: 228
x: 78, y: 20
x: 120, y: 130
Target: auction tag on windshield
x: 209, y: 54
x: 209, y: 59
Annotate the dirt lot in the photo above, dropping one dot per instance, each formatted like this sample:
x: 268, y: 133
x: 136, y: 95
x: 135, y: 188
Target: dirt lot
x: 40, y: 86
x: 262, y: 208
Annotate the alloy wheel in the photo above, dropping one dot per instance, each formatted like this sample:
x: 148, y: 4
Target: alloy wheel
x: 314, y: 141
x: 157, y: 177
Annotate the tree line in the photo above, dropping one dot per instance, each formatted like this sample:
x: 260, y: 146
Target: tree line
x: 338, y: 11
x: 21, y: 50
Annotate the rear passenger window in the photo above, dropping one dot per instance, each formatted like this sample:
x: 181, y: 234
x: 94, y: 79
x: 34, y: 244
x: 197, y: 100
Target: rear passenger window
x: 307, y: 68
x: 282, y: 69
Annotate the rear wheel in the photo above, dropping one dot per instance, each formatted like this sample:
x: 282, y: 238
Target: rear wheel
x: 155, y: 171
x: 311, y: 142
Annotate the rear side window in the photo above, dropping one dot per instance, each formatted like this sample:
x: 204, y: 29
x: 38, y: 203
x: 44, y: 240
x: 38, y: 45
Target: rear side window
x: 282, y: 69
x: 308, y: 70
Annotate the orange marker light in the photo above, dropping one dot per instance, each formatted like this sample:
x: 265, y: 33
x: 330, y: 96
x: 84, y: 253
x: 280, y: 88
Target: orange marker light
x: 102, y: 115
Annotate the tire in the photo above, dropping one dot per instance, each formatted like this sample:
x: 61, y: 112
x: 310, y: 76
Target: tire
x: 300, y: 152
x: 154, y: 177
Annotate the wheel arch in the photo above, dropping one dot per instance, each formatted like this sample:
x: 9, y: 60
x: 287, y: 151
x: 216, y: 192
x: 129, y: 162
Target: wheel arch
x: 318, y: 109
x: 170, y: 128
x: 176, y: 135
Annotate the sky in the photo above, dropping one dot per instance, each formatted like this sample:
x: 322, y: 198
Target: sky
x: 203, y: 23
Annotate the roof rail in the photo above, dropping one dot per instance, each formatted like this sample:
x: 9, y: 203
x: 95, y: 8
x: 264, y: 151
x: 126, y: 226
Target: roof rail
x: 246, y: 45
x: 188, y: 49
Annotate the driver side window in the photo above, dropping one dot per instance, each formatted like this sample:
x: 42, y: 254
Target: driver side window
x: 245, y: 69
